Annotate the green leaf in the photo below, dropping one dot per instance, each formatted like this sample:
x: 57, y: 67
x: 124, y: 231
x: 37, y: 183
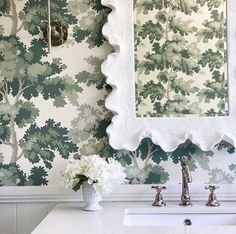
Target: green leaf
x: 166, y: 76
x: 11, y: 66
x: 152, y: 31
x: 82, y: 179
x: 101, y: 128
x: 34, y: 15
x: 103, y: 148
x: 1, y: 160
x: 217, y: 87
x: 26, y: 73
x: 5, y: 131
x: 212, y: 112
x: 96, y: 37
x: 212, y: 59
x: 218, y: 176
x: 59, y: 101
x: 123, y: 156
x: 52, y: 88
x: 210, y: 4
x: 82, y: 77
x: 184, y: 6
x: 135, y: 175
x: 225, y: 145
x: 153, y: 90
x: 37, y: 51
x: 179, y: 85
x: 11, y: 175
x: 77, y: 7
x: 157, y: 175
x: 80, y: 34
x: 96, y: 78
x: 27, y: 113
x: 213, y: 29
x: 144, y: 148
x: 1, y: 31
x: 37, y: 177
x: 186, y: 149
x: 158, y: 110
x: 179, y: 26
x: 91, y: 30
x: 97, y: 6
x: 41, y: 143
x: 161, y: 16
x: 159, y: 155
x: 201, y: 158
x: 5, y: 6
x: 177, y: 106
x: 176, y: 54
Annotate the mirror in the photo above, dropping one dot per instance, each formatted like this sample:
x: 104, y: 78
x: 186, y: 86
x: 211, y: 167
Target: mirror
x: 173, y: 72
x: 180, y: 58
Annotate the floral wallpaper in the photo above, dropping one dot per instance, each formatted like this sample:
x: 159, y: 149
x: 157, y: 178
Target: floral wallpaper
x: 181, y: 58
x: 52, y: 105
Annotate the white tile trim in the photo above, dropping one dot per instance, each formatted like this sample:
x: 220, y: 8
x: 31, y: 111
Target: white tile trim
x: 123, y: 193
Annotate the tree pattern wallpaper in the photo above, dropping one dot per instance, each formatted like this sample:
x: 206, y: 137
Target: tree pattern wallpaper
x: 52, y: 105
x: 180, y: 50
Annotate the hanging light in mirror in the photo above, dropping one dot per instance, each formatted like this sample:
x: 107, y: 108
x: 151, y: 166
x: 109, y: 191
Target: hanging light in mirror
x: 49, y: 27
x: 55, y: 33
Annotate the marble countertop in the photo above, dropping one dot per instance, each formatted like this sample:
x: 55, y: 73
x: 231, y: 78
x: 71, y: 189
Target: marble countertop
x: 70, y: 218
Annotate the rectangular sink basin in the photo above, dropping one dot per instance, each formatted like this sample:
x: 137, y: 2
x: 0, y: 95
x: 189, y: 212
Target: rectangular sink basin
x: 179, y: 217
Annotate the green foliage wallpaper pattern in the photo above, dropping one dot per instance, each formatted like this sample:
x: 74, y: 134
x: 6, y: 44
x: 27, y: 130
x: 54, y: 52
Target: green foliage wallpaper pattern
x: 181, y: 58
x: 52, y: 105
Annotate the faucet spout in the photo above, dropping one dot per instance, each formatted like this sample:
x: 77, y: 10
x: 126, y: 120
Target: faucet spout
x: 186, y: 178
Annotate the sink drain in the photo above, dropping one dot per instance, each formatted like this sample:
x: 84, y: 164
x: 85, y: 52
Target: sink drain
x: 187, y: 222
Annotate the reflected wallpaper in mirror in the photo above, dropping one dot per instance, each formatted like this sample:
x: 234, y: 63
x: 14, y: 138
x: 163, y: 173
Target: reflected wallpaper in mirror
x: 180, y: 58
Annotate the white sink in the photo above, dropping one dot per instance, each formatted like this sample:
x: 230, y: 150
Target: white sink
x: 176, y: 216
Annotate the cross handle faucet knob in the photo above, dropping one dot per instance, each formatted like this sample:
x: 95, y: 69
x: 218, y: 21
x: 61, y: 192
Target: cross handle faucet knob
x: 158, y: 199
x: 212, y: 200
x: 158, y: 188
x: 212, y: 188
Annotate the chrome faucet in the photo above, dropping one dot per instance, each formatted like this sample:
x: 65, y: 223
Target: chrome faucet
x: 186, y: 178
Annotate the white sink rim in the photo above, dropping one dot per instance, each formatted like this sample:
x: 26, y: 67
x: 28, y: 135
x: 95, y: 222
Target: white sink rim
x: 198, y: 209
x: 175, y: 216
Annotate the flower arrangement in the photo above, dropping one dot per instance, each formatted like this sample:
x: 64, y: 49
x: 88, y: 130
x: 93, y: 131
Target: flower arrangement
x: 103, y: 174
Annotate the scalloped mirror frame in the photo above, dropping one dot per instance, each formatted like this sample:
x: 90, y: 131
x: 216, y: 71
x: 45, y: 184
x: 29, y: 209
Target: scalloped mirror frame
x: 126, y: 130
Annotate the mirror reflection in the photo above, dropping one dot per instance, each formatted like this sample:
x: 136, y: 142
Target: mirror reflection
x: 180, y: 58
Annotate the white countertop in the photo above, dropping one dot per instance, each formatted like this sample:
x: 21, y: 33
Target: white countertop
x: 70, y: 218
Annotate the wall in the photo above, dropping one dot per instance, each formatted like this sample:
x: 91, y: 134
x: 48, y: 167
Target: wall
x: 52, y: 105
x: 22, y: 218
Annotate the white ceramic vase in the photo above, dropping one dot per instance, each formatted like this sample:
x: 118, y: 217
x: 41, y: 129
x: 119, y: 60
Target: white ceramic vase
x: 91, y: 197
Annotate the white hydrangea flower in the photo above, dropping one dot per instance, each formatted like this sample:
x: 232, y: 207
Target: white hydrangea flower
x: 104, y: 175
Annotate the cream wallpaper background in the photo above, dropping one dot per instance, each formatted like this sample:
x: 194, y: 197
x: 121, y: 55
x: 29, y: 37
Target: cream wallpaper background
x: 52, y: 105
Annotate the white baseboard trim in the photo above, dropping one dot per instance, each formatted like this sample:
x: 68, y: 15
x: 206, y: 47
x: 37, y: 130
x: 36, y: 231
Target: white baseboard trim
x: 34, y: 194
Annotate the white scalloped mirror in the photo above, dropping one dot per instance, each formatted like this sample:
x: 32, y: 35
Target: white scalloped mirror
x: 173, y: 72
